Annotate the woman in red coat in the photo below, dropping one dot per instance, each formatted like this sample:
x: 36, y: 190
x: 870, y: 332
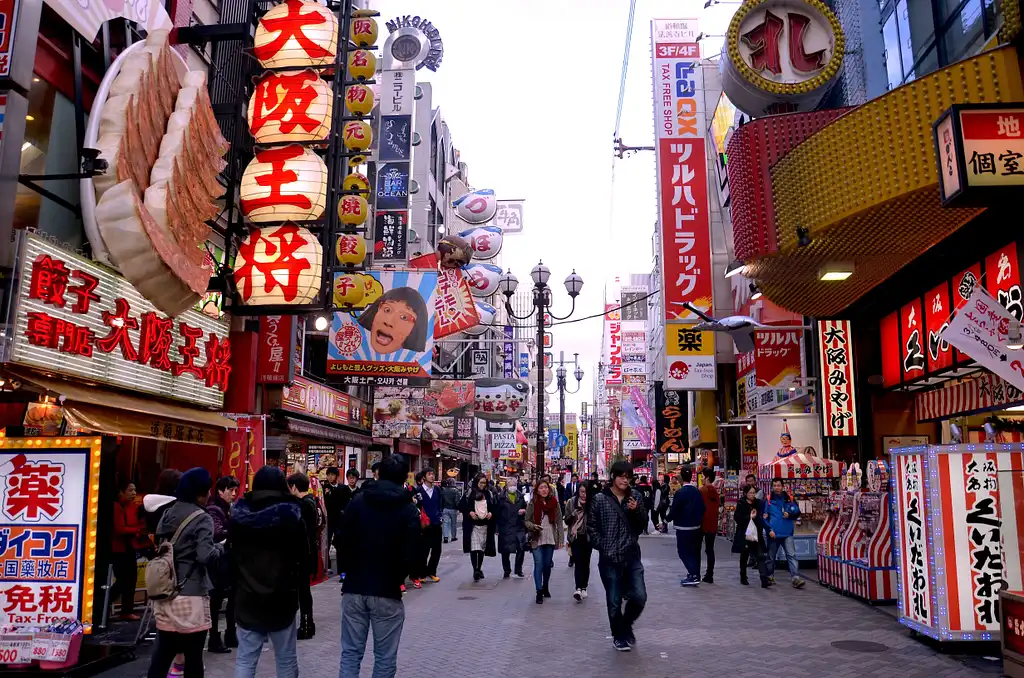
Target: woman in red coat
x: 127, y: 527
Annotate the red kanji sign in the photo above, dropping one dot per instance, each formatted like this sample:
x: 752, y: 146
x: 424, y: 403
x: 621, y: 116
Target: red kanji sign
x: 276, y: 179
x: 287, y: 99
x: 291, y: 26
x: 275, y: 258
x: 34, y: 492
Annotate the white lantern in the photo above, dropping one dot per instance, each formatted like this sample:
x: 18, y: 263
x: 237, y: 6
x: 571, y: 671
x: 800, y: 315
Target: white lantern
x: 294, y: 34
x: 482, y: 278
x: 279, y: 265
x: 485, y: 241
x: 290, y: 106
x: 288, y: 183
x: 476, y: 207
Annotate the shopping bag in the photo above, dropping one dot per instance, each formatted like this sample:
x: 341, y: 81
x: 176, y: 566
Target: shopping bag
x: 751, y: 533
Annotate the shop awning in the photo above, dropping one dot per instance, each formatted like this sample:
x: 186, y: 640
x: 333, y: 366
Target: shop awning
x: 106, y: 411
x: 866, y: 188
x: 987, y: 392
x: 800, y: 465
x: 88, y: 16
x: 309, y: 429
x: 452, y: 450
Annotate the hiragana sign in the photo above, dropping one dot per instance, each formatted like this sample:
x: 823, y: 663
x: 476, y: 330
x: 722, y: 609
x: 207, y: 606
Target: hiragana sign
x: 48, y: 512
x: 76, y: 318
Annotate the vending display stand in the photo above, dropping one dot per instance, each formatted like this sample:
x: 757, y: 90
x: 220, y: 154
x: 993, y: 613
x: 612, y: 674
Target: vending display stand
x: 866, y: 550
x: 957, y: 536
x: 839, y: 514
x: 810, y: 480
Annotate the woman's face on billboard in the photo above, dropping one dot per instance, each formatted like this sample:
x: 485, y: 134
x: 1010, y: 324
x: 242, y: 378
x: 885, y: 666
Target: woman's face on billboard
x: 391, y: 326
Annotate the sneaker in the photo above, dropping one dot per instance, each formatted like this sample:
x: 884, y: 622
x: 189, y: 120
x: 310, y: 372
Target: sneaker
x: 692, y: 580
x: 771, y: 580
x: 708, y: 579
x: 176, y: 670
x: 630, y: 638
x: 621, y: 645
x: 506, y: 575
x: 519, y: 575
x: 798, y: 583
x: 433, y: 579
x: 417, y: 584
x: 584, y: 592
x: 578, y: 595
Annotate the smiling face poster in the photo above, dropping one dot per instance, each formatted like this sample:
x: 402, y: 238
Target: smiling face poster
x: 390, y: 342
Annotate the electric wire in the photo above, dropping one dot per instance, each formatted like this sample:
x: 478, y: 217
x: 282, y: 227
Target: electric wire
x: 573, y: 320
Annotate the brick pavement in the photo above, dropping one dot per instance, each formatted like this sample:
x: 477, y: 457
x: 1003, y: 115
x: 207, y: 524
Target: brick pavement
x: 496, y: 629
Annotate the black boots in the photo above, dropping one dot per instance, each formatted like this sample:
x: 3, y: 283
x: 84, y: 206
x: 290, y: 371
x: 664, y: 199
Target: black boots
x: 216, y: 645
x: 540, y: 597
x: 230, y: 637
x: 544, y: 589
x: 307, y: 627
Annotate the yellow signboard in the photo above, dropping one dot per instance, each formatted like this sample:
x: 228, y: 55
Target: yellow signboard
x: 572, y: 433
x: 684, y: 340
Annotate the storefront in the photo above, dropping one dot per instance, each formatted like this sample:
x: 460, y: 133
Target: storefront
x: 313, y: 427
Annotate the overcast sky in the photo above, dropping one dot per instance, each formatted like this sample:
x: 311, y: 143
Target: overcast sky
x: 537, y: 123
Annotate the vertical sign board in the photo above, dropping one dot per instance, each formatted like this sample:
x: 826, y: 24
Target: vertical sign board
x: 670, y: 421
x: 682, y: 178
x: 392, y: 167
x: 276, y: 362
x: 915, y: 589
x: 839, y: 394
x: 613, y: 343
x: 508, y: 352
x: 49, y: 506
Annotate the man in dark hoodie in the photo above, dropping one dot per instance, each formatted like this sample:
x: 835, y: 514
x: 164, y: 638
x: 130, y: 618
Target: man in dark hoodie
x: 270, y: 552
x: 298, y: 485
x: 380, y: 534
x: 687, y: 514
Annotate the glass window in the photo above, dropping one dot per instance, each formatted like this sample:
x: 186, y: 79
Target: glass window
x: 966, y: 33
x: 892, y: 52
x: 50, y: 147
x: 928, y: 63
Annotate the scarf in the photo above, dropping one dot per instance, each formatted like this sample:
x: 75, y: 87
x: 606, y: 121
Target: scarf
x: 542, y: 506
x: 512, y: 496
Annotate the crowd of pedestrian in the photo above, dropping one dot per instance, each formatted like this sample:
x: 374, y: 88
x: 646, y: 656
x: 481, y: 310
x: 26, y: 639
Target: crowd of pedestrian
x: 249, y: 559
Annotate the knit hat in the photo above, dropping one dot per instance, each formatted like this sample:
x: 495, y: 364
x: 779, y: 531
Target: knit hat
x: 194, y: 483
x: 270, y: 478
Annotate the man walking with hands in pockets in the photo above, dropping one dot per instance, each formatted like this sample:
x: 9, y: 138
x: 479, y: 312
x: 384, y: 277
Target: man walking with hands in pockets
x: 616, y: 519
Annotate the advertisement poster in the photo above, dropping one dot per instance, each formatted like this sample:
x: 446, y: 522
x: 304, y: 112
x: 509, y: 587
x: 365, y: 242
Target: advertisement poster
x: 244, y: 451
x: 670, y: 420
x: 454, y: 309
x: 43, y: 419
x: 391, y: 341
x: 910, y: 514
x: 447, y: 403
x: 47, y: 490
x: 398, y: 412
x: 980, y: 329
x: 839, y: 392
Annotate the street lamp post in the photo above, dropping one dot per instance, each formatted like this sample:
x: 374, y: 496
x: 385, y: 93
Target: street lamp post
x: 540, y: 274
x: 560, y: 375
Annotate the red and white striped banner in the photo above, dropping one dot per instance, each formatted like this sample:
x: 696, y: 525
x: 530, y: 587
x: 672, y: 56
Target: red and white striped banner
x: 985, y: 392
x: 800, y: 465
x: 839, y: 395
x: 872, y: 584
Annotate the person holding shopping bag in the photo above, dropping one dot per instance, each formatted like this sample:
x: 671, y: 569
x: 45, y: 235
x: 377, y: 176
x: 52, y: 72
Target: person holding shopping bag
x: 749, y: 539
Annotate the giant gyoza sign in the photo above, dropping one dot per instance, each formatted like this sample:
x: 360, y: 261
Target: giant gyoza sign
x: 76, y: 318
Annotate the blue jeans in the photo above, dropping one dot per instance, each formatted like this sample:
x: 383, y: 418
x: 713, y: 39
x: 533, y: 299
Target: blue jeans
x: 623, y: 581
x: 250, y: 645
x: 449, y: 522
x: 789, y: 548
x: 358, y: 614
x: 688, y: 549
x: 543, y: 561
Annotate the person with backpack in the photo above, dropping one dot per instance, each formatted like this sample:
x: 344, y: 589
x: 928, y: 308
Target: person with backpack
x: 270, y: 555
x: 177, y: 578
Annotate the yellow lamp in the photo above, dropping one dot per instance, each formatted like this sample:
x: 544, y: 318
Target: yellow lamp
x: 356, y: 182
x: 359, y: 99
x: 348, y: 290
x: 353, y: 210
x: 362, y: 64
x: 363, y: 32
x: 351, y: 249
x: 357, y: 135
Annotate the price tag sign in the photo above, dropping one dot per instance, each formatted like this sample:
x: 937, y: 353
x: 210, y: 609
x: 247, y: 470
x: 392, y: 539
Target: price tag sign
x: 41, y: 646
x: 16, y: 649
x: 58, y: 649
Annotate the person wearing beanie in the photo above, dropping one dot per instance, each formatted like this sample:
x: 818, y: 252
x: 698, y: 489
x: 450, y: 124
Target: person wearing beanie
x: 270, y: 555
x: 182, y: 622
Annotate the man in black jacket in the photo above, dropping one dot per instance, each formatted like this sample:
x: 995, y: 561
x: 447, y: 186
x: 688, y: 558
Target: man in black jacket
x: 270, y: 552
x: 298, y: 485
x: 380, y: 534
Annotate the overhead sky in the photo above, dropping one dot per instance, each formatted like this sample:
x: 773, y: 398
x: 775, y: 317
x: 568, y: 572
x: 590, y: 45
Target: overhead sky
x: 529, y: 90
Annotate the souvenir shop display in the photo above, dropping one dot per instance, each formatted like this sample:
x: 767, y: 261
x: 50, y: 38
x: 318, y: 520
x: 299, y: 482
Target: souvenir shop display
x: 838, y: 516
x: 866, y: 550
x: 48, y: 647
x: 878, y: 475
x: 955, y: 536
x: 730, y: 495
x: 809, y: 479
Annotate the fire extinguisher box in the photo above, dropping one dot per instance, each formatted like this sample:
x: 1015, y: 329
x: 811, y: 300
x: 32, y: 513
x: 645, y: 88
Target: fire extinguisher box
x: 957, y: 533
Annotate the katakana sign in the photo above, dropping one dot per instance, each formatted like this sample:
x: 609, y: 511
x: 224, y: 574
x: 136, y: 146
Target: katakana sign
x: 76, y: 318
x: 47, y: 491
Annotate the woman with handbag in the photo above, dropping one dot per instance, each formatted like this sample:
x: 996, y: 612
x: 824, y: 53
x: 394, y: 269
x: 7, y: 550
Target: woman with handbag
x: 544, y: 523
x: 750, y: 529
x: 576, y: 511
x: 478, y: 525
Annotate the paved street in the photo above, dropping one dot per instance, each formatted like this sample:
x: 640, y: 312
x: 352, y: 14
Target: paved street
x: 496, y: 629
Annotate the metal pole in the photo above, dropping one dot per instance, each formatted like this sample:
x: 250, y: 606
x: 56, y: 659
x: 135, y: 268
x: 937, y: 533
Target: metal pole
x: 538, y: 303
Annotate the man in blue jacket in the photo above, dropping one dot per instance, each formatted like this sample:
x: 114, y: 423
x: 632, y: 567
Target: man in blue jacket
x: 428, y: 498
x: 687, y: 514
x: 781, y: 513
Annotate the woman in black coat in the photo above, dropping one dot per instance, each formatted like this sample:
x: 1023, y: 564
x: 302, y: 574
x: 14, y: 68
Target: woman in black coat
x: 750, y: 509
x: 478, y: 524
x: 511, y: 527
